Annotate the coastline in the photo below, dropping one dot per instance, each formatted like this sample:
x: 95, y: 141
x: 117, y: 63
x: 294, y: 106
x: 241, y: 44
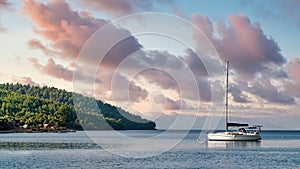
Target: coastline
x: 37, y: 130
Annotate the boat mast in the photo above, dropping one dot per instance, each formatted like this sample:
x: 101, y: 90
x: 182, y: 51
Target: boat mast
x: 226, y: 104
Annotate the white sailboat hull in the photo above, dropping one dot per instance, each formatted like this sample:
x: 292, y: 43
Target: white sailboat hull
x: 233, y: 136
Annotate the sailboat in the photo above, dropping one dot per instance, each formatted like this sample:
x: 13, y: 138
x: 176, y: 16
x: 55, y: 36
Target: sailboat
x: 244, y: 131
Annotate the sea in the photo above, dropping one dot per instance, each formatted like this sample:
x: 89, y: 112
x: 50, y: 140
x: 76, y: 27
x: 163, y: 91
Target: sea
x: 146, y: 149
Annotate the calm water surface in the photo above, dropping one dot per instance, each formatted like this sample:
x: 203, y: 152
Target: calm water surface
x: 278, y: 149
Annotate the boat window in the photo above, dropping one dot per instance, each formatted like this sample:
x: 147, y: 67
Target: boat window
x: 243, y: 130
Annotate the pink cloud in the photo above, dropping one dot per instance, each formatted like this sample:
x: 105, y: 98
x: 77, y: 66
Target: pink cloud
x: 178, y: 12
x: 4, y: 3
x: 137, y: 93
x: 66, y: 29
x: 171, y: 79
x: 254, y: 57
x: 171, y: 104
x: 293, y: 69
x: 36, y: 44
x: 195, y: 64
x: 26, y: 81
x: 121, y: 50
x: 61, y: 72
x: 121, y: 7
x: 121, y: 89
x: 242, y: 42
x: 167, y: 102
x: 160, y: 78
x: 53, y: 69
x: 35, y: 62
x: 245, y: 45
x: 181, y: 74
x: 203, y: 23
x: 263, y: 88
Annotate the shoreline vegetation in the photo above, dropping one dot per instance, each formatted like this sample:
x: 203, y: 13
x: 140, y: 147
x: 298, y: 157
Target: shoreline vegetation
x: 26, y: 108
x: 37, y: 130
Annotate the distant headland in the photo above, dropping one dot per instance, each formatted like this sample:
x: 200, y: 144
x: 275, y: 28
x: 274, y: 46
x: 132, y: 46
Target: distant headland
x: 26, y: 108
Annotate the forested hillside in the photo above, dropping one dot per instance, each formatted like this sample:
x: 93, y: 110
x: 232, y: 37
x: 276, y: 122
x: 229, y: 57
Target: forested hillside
x: 37, y: 106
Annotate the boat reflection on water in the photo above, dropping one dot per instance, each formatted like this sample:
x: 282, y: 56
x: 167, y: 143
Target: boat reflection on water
x: 233, y: 144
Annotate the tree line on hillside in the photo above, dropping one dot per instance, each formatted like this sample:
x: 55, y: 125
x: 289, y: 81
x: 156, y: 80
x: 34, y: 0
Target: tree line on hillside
x: 37, y: 106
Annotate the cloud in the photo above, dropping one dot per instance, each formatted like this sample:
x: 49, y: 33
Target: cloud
x: 156, y: 67
x: 293, y: 69
x: 36, y: 44
x: 121, y: 50
x: 2, y: 29
x: 254, y: 58
x: 116, y: 87
x: 185, y: 75
x: 178, y: 12
x: 170, y: 104
x: 66, y: 29
x: 53, y: 69
x: 173, y: 105
x: 125, y: 90
x: 200, y: 73
x: 26, y: 81
x: 160, y: 78
x: 61, y: 72
x: 35, y: 62
x: 4, y: 5
x: 203, y: 23
x: 269, y: 85
x: 242, y: 43
x: 195, y: 64
x: 121, y: 7
x: 246, y: 46
x: 237, y: 94
x: 137, y: 93
x: 263, y: 88
x: 56, y: 70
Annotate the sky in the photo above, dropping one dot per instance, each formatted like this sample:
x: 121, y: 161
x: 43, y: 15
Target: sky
x: 167, y: 64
